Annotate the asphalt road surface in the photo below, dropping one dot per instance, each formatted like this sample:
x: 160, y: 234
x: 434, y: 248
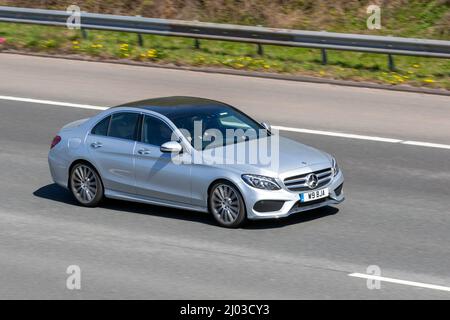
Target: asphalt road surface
x: 396, y: 216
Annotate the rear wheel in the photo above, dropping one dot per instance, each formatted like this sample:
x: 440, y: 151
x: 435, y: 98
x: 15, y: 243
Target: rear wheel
x: 85, y: 184
x: 226, y: 205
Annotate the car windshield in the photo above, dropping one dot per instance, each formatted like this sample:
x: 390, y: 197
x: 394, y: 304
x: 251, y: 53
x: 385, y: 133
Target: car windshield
x: 215, y: 125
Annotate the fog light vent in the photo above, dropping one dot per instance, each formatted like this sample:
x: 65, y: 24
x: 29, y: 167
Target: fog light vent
x: 338, y: 190
x: 268, y: 205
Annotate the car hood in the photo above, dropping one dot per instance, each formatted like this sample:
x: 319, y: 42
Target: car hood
x: 281, y: 155
x: 295, y: 155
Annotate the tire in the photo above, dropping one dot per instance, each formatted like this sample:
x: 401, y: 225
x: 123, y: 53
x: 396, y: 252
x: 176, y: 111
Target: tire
x: 227, y: 206
x: 86, y: 185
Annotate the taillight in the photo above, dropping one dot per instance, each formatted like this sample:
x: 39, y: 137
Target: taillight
x: 55, y: 141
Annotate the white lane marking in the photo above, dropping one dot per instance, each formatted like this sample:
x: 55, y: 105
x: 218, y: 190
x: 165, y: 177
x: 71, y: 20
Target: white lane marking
x: 53, y: 103
x: 398, y: 281
x: 426, y: 144
x: 337, y: 134
x: 362, y: 137
x: 282, y: 128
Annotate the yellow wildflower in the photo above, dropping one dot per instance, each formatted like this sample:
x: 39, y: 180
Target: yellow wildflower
x: 152, y: 53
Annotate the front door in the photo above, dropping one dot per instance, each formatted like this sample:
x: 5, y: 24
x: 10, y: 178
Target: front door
x: 159, y: 175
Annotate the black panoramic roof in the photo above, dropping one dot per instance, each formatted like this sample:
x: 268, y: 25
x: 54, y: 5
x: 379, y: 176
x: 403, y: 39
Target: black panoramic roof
x: 176, y: 104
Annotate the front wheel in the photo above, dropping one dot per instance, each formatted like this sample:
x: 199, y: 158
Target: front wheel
x: 226, y: 205
x: 85, y: 184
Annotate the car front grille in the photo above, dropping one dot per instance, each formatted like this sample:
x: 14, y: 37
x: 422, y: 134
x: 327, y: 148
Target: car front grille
x: 297, y: 183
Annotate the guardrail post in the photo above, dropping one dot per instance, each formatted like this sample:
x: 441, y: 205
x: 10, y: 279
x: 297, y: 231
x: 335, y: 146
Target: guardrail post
x: 324, y: 56
x: 140, y: 40
x: 260, y: 49
x: 197, y: 43
x: 391, y: 62
x: 84, y: 33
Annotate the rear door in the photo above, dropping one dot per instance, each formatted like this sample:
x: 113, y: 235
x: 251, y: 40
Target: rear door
x: 111, y: 144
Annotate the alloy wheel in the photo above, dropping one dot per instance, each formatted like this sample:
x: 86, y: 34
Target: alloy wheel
x: 225, y: 204
x: 85, y: 184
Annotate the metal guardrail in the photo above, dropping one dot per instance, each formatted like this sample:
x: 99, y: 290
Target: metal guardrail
x: 248, y: 34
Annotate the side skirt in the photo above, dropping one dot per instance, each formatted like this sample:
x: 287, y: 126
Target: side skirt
x: 142, y: 199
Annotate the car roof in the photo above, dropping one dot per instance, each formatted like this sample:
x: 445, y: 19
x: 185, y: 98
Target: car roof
x: 170, y: 106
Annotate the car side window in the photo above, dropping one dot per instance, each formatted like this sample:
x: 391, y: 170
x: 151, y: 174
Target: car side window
x: 124, y: 125
x: 101, y: 128
x: 155, y: 131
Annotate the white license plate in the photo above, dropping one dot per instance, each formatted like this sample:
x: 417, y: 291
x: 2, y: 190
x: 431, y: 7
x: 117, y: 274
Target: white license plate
x: 314, y: 195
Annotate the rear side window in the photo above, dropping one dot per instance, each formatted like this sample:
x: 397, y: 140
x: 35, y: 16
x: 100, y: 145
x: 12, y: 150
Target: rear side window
x: 101, y: 129
x: 124, y: 125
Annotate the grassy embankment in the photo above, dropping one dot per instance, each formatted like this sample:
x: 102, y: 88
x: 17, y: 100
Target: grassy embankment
x: 413, y: 18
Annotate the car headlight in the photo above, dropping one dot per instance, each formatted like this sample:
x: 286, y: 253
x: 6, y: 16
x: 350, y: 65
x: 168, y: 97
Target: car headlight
x: 261, y: 182
x: 335, y: 167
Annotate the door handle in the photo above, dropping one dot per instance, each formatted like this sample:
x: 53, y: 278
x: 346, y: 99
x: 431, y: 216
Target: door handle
x: 143, y: 151
x: 96, y: 145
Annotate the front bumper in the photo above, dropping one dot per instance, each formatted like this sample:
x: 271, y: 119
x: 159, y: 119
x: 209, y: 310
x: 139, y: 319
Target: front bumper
x: 291, y: 200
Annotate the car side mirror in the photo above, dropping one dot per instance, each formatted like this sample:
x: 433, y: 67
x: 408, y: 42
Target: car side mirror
x: 266, y: 126
x: 171, y: 147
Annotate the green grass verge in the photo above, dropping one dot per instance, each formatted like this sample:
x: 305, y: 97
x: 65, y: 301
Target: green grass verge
x: 414, y: 71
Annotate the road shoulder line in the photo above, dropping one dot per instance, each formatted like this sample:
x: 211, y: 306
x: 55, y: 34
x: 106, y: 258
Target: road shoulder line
x: 398, y: 281
x: 281, y: 128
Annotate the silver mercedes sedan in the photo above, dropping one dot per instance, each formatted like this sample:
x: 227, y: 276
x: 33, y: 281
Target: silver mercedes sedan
x: 196, y: 154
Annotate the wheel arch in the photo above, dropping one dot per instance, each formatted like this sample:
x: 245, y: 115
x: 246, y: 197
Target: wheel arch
x: 79, y: 161
x: 226, y: 181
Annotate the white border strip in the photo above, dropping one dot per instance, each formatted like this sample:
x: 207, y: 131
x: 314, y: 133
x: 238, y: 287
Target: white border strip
x: 337, y: 134
x: 426, y: 144
x: 362, y: 137
x: 282, y: 128
x: 53, y: 103
x: 398, y: 281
